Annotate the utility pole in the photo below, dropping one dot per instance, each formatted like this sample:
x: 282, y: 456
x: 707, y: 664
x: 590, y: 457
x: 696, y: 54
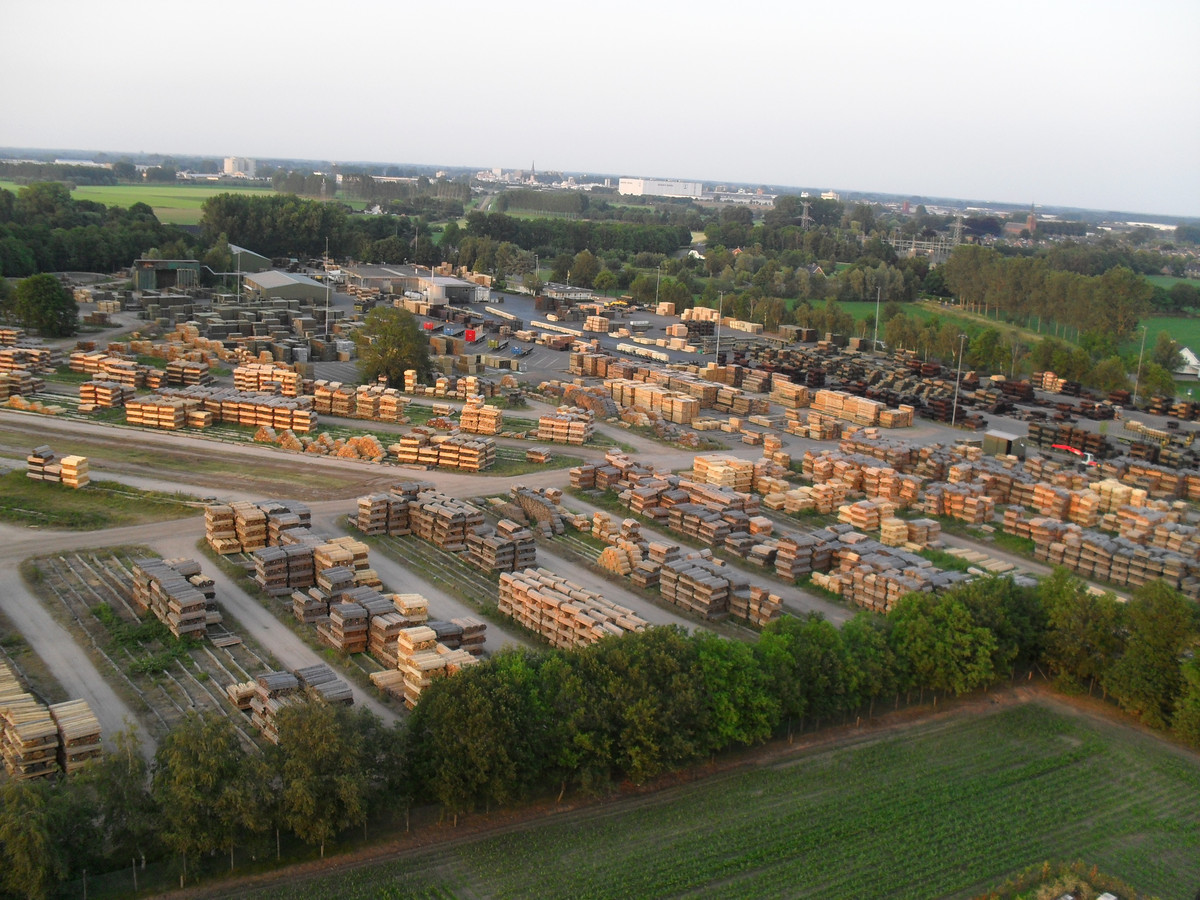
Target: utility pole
x: 957, y: 380
x: 875, y: 342
x: 720, y: 306
x: 328, y: 326
x: 657, y: 282
x: 1138, y: 380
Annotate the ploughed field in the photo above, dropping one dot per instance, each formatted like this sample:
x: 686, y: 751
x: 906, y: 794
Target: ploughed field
x: 947, y: 808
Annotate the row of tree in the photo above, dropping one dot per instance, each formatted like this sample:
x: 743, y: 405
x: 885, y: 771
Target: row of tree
x: 41, y: 304
x: 630, y: 708
x: 43, y: 229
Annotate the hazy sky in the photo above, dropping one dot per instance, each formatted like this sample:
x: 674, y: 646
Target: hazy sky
x: 1093, y: 104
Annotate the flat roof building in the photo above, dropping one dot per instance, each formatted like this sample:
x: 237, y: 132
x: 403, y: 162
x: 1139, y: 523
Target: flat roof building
x: 651, y: 187
x: 283, y: 285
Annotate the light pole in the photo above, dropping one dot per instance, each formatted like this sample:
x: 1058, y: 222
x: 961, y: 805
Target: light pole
x: 720, y: 306
x: 657, y: 282
x: 957, y: 380
x: 1137, y: 381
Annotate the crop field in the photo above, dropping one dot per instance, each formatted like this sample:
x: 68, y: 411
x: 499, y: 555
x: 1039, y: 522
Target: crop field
x: 947, y: 809
x: 174, y: 204
x: 1183, y: 329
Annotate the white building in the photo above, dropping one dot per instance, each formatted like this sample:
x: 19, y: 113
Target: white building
x: 240, y: 167
x: 650, y: 187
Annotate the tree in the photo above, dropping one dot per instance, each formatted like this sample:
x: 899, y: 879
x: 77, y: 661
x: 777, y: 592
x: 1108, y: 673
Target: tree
x: 1166, y: 352
x: 126, y: 815
x: 389, y: 343
x: 324, y: 780
x: 940, y: 645
x: 1109, y: 375
x: 1186, y: 720
x: 605, y: 281
x: 584, y: 268
x: 1081, y: 641
x: 40, y: 302
x: 32, y: 865
x: 207, y: 789
x: 1146, y: 680
x: 1155, y: 381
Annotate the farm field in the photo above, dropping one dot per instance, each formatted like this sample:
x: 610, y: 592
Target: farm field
x: 173, y: 204
x: 1169, y: 281
x: 1184, y: 329
x: 950, y: 808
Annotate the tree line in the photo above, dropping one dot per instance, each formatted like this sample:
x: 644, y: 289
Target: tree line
x: 44, y: 229
x: 631, y: 708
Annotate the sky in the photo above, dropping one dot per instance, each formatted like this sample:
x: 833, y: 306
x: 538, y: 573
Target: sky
x: 1092, y: 104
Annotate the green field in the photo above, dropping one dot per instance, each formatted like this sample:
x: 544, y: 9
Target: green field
x: 1168, y: 281
x: 174, y: 204
x: 948, y: 809
x: 101, y: 504
x: 1186, y: 331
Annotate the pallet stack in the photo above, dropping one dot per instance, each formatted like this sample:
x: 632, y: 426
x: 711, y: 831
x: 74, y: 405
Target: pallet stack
x: 565, y: 613
x: 186, y: 373
x: 443, y: 520
x: 703, y: 586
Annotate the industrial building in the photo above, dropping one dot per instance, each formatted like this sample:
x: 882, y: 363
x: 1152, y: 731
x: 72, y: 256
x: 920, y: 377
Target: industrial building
x: 274, y: 284
x: 650, y: 187
x: 165, y: 274
x: 247, y: 261
x: 405, y: 279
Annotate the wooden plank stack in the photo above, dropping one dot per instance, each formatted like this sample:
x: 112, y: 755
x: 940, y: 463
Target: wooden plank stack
x: 40, y: 465
x: 74, y: 471
x: 177, y: 594
x: 507, y: 548
x: 566, y: 425
x: 78, y: 734
x: 104, y: 394
x: 478, y: 418
x: 565, y: 613
x: 29, y: 741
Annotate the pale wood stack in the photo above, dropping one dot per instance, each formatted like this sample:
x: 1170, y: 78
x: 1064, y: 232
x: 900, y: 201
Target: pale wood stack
x: 78, y: 734
x: 29, y: 741
x: 566, y: 425
x: 220, y: 530
x: 478, y: 418
x: 186, y: 373
x: 567, y: 614
x: 510, y: 546
x: 703, y: 586
x: 267, y: 378
x: 168, y: 414
x: 443, y: 520
x: 346, y: 629
x: 74, y: 471
x: 103, y: 395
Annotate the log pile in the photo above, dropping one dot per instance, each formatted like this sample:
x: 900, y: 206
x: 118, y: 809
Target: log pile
x: 565, y: 613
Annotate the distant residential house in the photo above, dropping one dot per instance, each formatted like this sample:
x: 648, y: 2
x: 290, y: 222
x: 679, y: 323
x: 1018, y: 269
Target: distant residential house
x: 1191, y: 363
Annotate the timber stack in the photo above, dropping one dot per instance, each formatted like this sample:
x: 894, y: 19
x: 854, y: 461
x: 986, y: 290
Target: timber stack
x: 565, y: 613
x: 177, y: 593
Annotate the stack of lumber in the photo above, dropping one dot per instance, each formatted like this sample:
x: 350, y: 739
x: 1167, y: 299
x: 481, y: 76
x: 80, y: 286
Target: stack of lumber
x: 321, y: 683
x: 478, y: 418
x: 566, y: 425
x: 622, y: 558
x: 78, y: 734
x: 29, y: 741
x: 789, y: 395
x: 40, y: 465
x: 266, y: 378
x: 220, y: 531
x: 474, y: 634
x: 443, y: 520
x: 566, y: 614
x: 724, y: 471
x: 250, y: 525
x: 703, y: 586
x: 509, y: 547
x: 104, y: 394
x: 966, y: 502
x: 74, y: 471
x: 175, y: 592
x: 162, y: 413
x: 186, y: 373
x: 373, y: 513
x: 758, y: 606
x: 241, y: 694
x: 274, y: 691
x: 421, y: 447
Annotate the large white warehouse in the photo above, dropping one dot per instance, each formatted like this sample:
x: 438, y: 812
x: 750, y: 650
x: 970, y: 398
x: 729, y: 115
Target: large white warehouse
x: 643, y: 187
